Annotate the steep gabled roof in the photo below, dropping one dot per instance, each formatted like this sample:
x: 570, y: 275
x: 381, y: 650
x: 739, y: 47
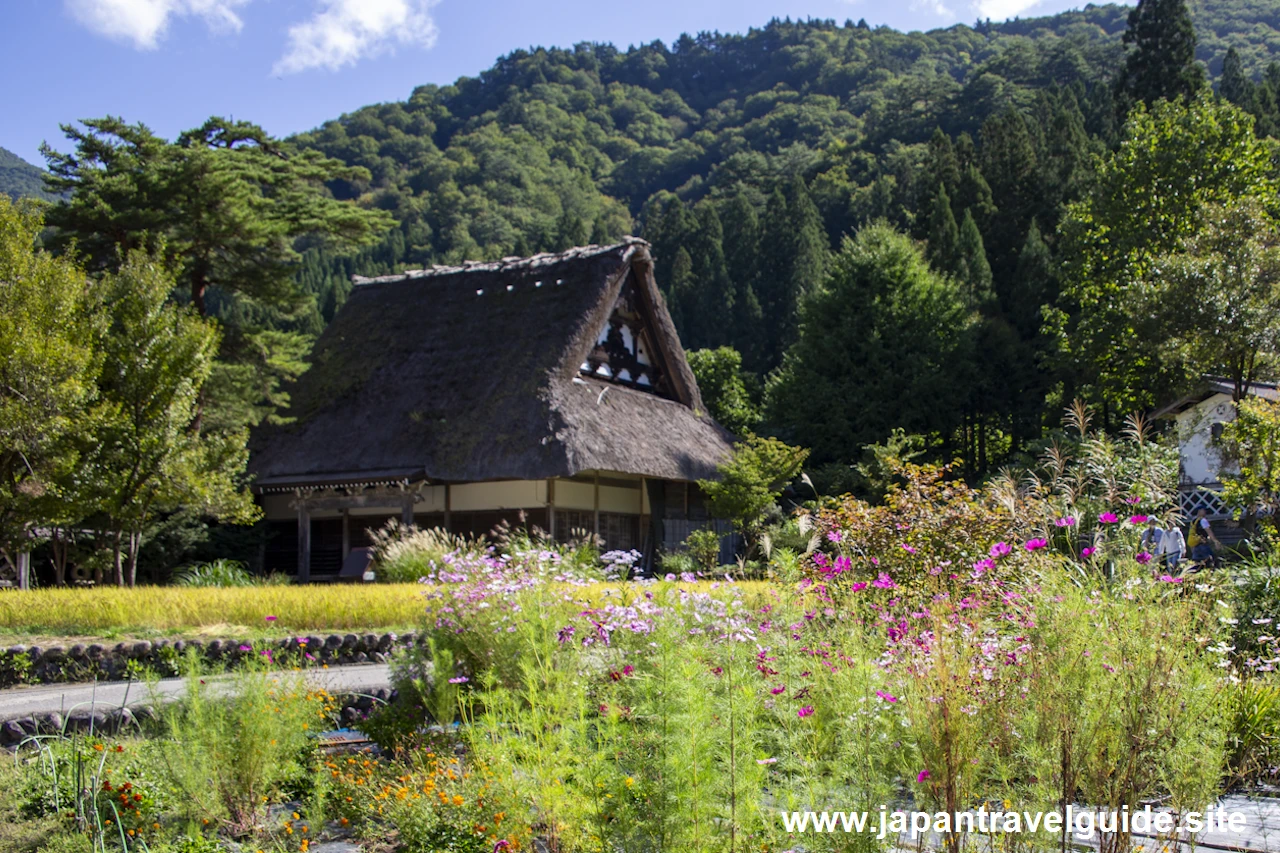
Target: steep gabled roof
x: 477, y: 373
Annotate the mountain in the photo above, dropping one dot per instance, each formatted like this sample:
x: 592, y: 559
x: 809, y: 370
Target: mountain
x: 19, y: 178
x: 551, y: 147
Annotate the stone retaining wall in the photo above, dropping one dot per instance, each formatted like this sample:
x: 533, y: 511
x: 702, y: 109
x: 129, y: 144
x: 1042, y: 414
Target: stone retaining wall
x: 112, y: 721
x: 96, y: 661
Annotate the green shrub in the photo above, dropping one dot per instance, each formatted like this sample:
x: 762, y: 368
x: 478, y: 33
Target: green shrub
x: 704, y: 547
x: 405, y: 554
x: 218, y: 573
x: 233, y: 744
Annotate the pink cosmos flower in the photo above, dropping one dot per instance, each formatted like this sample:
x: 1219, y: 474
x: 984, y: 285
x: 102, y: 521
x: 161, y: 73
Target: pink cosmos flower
x: 246, y: 648
x: 781, y: 688
x: 1133, y: 500
x: 806, y: 711
x: 984, y: 565
x: 907, y: 548
x: 888, y: 697
x: 271, y: 618
x: 628, y: 669
x: 1170, y: 579
x: 1138, y: 519
x: 922, y: 775
x: 1036, y: 544
x: 884, y: 582
x: 1000, y: 549
x: 1066, y: 521
x: 1143, y: 557
x: 1087, y: 552
x: 834, y: 536
x: 858, y: 587
x: 461, y: 679
x: 1108, y: 518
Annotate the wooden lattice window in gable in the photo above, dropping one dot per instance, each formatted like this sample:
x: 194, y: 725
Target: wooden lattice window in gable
x: 626, y: 350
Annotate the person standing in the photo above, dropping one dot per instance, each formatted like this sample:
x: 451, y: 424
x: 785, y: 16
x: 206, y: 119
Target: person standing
x: 1151, y: 537
x: 1173, y: 546
x: 1201, y: 538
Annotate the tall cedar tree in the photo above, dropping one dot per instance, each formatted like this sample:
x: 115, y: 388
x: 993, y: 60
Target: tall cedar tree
x: 944, y: 234
x: 793, y: 259
x: 1162, y: 57
x: 877, y: 349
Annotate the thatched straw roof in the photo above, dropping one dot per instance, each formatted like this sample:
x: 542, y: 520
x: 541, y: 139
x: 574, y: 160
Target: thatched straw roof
x: 471, y: 373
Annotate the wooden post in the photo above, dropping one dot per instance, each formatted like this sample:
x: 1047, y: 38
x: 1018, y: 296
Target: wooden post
x: 448, y: 508
x: 24, y: 570
x: 346, y: 533
x: 551, y: 507
x: 406, y: 511
x: 304, y: 543
x: 596, y: 505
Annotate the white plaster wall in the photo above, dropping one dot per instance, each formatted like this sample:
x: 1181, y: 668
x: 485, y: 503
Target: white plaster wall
x: 505, y: 494
x: 575, y: 495
x: 614, y: 499
x: 1201, y: 460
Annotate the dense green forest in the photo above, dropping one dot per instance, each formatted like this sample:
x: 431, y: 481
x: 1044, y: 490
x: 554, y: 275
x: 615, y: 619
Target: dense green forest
x: 19, y: 179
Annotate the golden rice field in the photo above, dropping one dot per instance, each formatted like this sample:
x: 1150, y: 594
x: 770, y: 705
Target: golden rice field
x: 110, y: 611
x: 176, y: 609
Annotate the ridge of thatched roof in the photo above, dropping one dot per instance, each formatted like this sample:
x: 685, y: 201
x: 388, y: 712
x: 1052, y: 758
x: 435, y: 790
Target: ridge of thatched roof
x: 472, y: 372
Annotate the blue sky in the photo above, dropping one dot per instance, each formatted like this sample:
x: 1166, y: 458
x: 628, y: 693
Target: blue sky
x: 290, y: 64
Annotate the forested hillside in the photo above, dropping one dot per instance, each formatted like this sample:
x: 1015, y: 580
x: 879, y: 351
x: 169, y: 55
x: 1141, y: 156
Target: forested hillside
x: 19, y: 178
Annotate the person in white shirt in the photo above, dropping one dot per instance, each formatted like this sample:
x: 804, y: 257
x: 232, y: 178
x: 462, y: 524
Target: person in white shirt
x: 1173, y: 546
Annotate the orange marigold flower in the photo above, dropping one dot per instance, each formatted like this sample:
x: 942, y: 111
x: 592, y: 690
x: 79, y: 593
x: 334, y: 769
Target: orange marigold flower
x: 98, y: 747
x: 457, y: 800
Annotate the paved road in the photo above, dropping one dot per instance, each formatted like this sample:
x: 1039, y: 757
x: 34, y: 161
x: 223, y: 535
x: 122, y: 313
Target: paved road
x: 65, y: 698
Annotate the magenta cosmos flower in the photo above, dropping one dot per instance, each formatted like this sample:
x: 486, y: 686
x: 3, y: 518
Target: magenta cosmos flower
x: 834, y: 536
x: 1066, y: 521
x: 1036, y: 544
x: 1138, y: 519
x: 1087, y: 552
x: 1143, y: 557
x: 922, y: 775
x: 1000, y: 549
x: 1108, y: 518
x: 806, y: 711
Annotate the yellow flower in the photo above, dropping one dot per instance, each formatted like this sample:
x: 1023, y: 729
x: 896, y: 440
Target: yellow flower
x: 457, y: 801
x: 628, y: 781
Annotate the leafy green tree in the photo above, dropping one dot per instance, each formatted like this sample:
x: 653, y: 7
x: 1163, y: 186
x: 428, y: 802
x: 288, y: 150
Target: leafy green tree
x: 48, y: 376
x: 876, y: 350
x: 1252, y: 444
x: 1162, y: 61
x: 1175, y: 160
x: 145, y: 456
x: 1219, y: 297
x: 752, y: 480
x: 725, y: 389
x: 226, y: 204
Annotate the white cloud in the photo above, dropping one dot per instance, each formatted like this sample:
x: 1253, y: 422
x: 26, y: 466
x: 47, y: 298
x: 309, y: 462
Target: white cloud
x: 144, y: 22
x: 345, y: 31
x: 999, y: 10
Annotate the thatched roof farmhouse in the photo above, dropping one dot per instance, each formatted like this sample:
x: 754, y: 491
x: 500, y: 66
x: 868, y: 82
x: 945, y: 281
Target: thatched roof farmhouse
x: 552, y: 388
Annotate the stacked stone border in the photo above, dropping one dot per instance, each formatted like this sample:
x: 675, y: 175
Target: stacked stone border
x: 84, y: 663
x: 113, y: 721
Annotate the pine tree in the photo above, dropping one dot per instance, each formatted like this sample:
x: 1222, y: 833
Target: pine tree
x: 741, y: 257
x: 973, y: 269
x: 1235, y: 86
x: 944, y: 235
x: 1162, y: 60
x: 1033, y: 284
